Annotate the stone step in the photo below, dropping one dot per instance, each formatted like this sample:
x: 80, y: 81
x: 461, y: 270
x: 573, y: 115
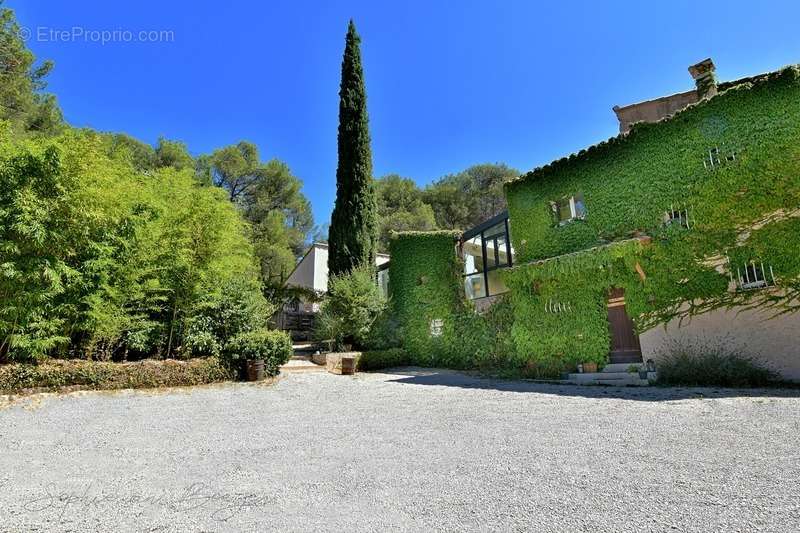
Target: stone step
x: 300, y: 357
x: 630, y: 381
x: 620, y: 367
x: 303, y: 345
x: 301, y: 365
x: 622, y: 379
x: 602, y: 375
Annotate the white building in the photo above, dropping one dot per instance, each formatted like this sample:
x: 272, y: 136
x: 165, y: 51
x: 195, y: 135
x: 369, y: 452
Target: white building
x: 312, y: 273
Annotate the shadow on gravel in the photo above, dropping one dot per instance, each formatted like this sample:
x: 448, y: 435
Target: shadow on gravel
x: 452, y: 378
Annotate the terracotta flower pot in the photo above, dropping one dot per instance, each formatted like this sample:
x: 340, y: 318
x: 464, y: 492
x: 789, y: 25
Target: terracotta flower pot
x: 255, y: 369
x: 590, y: 368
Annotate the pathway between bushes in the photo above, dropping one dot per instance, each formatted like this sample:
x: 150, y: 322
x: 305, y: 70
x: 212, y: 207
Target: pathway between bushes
x: 409, y: 450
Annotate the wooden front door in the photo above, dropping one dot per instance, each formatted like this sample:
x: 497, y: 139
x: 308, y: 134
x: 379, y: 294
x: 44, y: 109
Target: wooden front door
x: 625, y: 347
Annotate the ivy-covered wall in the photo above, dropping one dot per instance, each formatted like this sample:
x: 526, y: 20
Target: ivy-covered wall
x: 731, y: 164
x: 425, y: 285
x: 745, y: 207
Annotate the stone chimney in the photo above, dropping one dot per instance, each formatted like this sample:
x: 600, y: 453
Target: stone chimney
x: 705, y: 78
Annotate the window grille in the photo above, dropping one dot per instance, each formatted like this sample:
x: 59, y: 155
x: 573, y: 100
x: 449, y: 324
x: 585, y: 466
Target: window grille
x: 677, y: 216
x: 752, y: 276
x: 557, y: 307
x: 718, y: 156
x: 437, y: 327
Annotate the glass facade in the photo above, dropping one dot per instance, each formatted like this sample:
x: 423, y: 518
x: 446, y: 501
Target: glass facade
x: 486, y: 249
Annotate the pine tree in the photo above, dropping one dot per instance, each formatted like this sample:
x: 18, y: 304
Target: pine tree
x: 353, y: 233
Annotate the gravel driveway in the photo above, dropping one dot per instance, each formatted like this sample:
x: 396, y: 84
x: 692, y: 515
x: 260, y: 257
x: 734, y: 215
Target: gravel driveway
x: 413, y: 450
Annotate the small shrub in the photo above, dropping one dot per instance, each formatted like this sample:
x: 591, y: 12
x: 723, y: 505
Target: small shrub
x: 274, y: 347
x: 55, y: 374
x: 238, y: 307
x: 384, y: 334
x: 711, y: 364
x: 379, y: 359
x: 351, y: 307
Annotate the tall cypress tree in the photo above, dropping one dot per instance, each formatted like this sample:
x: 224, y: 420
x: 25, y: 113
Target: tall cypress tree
x: 353, y: 235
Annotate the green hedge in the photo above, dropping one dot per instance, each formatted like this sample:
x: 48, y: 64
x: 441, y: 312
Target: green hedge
x: 55, y: 374
x: 380, y: 359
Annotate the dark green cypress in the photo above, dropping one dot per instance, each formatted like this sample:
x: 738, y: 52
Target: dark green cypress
x: 353, y: 235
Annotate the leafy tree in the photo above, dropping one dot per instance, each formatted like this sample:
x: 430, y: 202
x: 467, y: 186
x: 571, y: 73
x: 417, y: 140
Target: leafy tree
x: 141, y: 156
x: 401, y: 208
x: 21, y: 81
x: 173, y: 154
x: 146, y: 158
x: 237, y: 169
x: 270, y: 198
x: 238, y: 308
x: 99, y: 260
x: 320, y: 233
x: 354, y: 222
x: 463, y: 200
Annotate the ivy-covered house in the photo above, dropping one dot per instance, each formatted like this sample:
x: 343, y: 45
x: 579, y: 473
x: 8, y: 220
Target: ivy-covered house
x: 686, y: 226
x: 696, y: 214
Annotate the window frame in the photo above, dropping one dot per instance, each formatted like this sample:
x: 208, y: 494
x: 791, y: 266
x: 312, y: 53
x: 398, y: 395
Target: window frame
x: 571, y: 201
x: 483, y: 231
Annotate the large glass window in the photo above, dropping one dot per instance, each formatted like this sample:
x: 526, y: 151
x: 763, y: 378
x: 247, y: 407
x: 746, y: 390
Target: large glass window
x: 485, y: 249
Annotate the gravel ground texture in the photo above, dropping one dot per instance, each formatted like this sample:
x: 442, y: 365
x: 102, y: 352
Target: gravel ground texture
x: 407, y: 450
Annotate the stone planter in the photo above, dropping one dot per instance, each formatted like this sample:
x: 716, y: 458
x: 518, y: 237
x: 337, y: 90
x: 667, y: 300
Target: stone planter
x: 342, y: 363
x: 255, y: 369
x: 320, y: 358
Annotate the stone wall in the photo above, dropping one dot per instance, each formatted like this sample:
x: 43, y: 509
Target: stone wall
x: 653, y: 110
x: 773, y: 340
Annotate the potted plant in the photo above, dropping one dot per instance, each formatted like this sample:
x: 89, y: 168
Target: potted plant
x: 255, y: 369
x: 262, y: 352
x: 638, y: 369
x: 590, y: 367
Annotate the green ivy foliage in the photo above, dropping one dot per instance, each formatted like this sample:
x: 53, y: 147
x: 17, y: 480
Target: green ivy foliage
x: 425, y: 285
x: 555, y: 315
x: 742, y: 209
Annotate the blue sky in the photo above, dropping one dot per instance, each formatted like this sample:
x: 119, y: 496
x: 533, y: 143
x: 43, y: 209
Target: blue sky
x: 450, y: 84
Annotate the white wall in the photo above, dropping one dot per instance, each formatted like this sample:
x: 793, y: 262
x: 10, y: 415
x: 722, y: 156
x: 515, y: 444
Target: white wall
x: 312, y: 271
x: 321, y: 269
x: 773, y: 340
x: 304, y: 272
